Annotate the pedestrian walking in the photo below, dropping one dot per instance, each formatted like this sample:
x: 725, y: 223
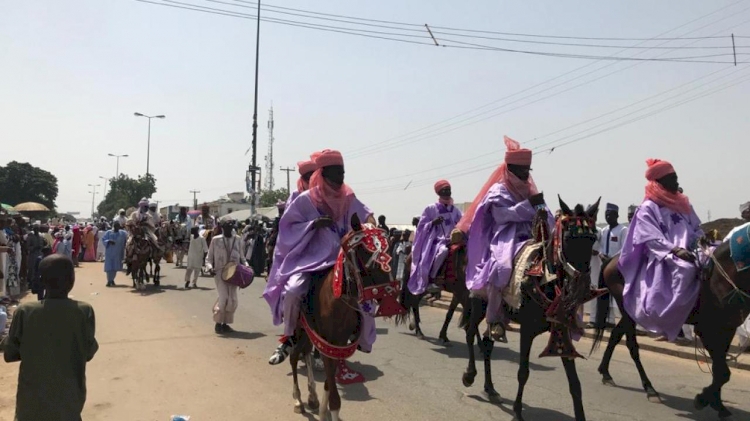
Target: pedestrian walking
x: 114, y: 243
x: 224, y: 249
x: 196, y: 252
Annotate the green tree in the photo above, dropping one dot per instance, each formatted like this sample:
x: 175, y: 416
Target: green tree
x: 23, y: 182
x: 269, y: 198
x: 125, y: 192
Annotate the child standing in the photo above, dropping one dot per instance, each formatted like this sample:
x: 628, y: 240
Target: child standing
x: 53, y: 339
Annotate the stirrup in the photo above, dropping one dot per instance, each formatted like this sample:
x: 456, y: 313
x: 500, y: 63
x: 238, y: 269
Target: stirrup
x: 497, y: 332
x: 281, y: 353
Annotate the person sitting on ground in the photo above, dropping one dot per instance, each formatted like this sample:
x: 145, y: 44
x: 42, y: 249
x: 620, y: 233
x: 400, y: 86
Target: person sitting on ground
x: 53, y: 339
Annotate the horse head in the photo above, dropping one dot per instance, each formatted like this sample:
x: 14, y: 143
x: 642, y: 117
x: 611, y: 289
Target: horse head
x: 366, y: 252
x: 575, y: 234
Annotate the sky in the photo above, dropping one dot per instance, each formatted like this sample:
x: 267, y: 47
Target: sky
x: 73, y: 73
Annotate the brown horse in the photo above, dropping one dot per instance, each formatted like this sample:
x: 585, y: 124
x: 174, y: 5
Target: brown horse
x: 452, y: 275
x: 723, y: 305
x: 545, y: 306
x: 335, y: 321
x: 157, y: 253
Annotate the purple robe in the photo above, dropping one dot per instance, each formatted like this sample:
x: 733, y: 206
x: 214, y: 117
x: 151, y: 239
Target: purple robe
x: 300, y: 248
x: 431, y: 245
x: 660, y: 288
x: 295, y: 194
x: 501, y: 226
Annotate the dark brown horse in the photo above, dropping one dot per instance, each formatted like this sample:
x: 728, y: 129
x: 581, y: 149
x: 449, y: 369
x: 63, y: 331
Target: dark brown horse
x: 545, y: 307
x: 723, y: 305
x: 452, y: 277
x: 336, y: 321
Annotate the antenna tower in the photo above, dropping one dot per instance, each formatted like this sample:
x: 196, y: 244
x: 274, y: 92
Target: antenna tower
x: 269, y: 157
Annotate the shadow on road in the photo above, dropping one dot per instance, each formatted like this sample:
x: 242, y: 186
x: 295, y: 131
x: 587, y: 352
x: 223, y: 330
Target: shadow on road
x: 243, y: 335
x: 685, y: 405
x: 529, y: 413
x: 502, y: 352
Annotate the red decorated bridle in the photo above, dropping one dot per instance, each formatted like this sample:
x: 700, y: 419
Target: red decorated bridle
x: 577, y: 226
x: 375, y: 242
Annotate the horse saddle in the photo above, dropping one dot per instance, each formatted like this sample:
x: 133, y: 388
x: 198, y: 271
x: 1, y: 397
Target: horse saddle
x: 528, y: 263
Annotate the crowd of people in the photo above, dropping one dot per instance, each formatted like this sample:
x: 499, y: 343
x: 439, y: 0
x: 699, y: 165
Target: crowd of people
x: 653, y: 249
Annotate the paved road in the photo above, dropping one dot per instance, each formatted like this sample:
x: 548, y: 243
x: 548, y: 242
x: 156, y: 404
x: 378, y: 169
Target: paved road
x: 159, y: 356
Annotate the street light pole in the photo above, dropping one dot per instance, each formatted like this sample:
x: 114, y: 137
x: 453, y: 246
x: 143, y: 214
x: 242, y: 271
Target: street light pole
x: 148, y: 150
x: 106, y: 181
x: 93, y: 197
x: 117, y: 174
x: 254, y: 166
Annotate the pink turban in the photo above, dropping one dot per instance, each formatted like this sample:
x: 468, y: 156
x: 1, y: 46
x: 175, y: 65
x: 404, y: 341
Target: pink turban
x: 514, y: 154
x: 306, y: 167
x: 328, y: 158
x: 441, y: 184
x: 658, y: 169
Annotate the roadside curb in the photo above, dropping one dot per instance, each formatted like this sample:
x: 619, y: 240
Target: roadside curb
x: 689, y: 353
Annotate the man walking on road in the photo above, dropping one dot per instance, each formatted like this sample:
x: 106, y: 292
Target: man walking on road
x: 114, y: 243
x: 225, y: 249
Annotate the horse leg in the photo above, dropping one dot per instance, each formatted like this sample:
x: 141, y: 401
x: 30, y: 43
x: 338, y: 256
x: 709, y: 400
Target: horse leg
x: 475, y: 315
x: 329, y: 388
x: 417, y: 319
x: 632, y: 344
x: 574, y: 384
x: 527, y: 339
x: 717, y: 343
x: 448, y: 316
x: 312, y: 397
x: 299, y: 408
x: 486, y: 346
x: 614, y: 339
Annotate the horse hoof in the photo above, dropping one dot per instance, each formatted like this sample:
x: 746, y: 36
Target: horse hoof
x: 724, y: 413
x: 420, y: 335
x: 518, y: 417
x: 445, y: 342
x: 491, y: 394
x: 609, y: 382
x: 653, y: 395
x: 412, y: 327
x: 299, y: 409
x: 313, y: 405
x: 468, y: 379
x: 699, y: 403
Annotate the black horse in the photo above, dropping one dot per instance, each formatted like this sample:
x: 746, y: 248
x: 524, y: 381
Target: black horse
x: 723, y: 305
x: 546, y: 306
x: 453, y: 278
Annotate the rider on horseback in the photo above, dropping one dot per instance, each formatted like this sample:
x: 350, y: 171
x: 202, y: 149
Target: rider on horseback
x: 432, y: 240
x: 498, y: 224
x: 309, y: 241
x: 660, y: 275
x: 141, y: 225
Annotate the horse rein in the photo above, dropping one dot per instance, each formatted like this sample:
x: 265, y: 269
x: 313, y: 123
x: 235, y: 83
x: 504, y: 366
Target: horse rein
x: 374, y: 240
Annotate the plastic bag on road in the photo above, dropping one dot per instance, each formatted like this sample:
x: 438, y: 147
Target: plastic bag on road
x: 180, y: 418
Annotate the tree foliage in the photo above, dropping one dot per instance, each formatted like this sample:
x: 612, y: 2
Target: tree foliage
x: 23, y: 182
x: 125, y: 192
x: 269, y: 198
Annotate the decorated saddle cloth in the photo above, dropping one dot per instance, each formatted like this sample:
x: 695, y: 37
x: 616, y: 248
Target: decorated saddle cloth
x: 739, y: 248
x: 527, y: 263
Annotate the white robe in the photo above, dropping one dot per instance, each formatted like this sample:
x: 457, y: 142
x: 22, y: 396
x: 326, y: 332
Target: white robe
x: 198, y: 247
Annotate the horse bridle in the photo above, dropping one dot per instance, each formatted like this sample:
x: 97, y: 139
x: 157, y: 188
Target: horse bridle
x: 374, y: 240
x: 578, y: 226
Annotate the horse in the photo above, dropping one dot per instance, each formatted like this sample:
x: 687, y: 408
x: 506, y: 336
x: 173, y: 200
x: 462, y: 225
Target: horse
x: 140, y: 256
x: 452, y: 278
x: 722, y: 306
x: 181, y: 244
x: 332, y: 321
x: 158, y: 252
x: 546, y: 304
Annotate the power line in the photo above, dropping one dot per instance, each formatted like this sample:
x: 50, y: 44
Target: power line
x: 388, y: 36
x: 375, y: 148
x: 418, y: 25
x: 538, y: 150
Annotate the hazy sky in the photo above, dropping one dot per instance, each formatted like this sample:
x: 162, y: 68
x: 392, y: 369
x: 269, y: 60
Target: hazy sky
x: 72, y: 73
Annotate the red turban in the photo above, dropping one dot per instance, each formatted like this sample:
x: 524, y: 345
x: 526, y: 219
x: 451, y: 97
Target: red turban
x: 658, y: 169
x: 329, y: 157
x: 306, y: 167
x: 441, y: 184
x: 515, y: 155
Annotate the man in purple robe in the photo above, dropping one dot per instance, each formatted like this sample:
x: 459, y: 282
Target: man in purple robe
x: 660, y: 274
x: 306, y: 170
x: 432, y: 239
x: 310, y: 233
x: 498, y: 224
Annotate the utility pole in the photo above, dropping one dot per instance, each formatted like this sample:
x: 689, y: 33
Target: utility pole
x: 254, y: 166
x: 288, y: 185
x: 195, y: 199
x: 269, y: 157
x: 93, y: 197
